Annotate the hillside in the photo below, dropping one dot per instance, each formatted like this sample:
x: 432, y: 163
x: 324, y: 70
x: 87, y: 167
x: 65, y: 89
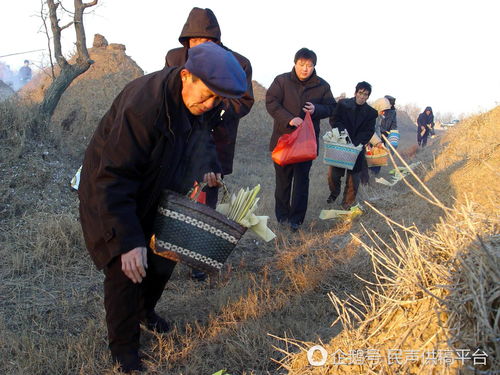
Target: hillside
x: 274, y: 300
x: 89, y: 95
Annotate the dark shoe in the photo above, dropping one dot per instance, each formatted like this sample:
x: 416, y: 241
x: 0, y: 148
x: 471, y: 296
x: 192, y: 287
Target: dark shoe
x: 331, y: 198
x: 128, y: 361
x: 198, y: 275
x: 156, y: 323
x: 294, y: 227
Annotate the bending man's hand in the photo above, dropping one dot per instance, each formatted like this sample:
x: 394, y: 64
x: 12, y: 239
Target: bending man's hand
x: 213, y: 179
x: 134, y: 264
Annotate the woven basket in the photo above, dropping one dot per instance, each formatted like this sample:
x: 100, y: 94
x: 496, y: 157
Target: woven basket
x: 379, y: 160
x: 194, y: 234
x: 340, y: 154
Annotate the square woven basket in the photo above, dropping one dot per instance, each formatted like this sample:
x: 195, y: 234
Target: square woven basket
x: 340, y: 154
x: 193, y: 233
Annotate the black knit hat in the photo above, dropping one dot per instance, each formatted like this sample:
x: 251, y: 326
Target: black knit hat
x: 391, y: 99
x: 218, y: 69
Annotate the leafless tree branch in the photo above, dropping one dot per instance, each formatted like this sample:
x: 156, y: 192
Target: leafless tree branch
x: 91, y: 4
x: 43, y: 16
x: 66, y: 26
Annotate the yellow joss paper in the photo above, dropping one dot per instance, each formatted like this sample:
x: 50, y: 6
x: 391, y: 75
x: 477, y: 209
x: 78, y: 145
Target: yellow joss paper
x: 353, y: 212
x: 241, y: 209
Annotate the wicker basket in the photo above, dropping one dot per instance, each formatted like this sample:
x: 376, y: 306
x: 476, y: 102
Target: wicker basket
x: 340, y: 154
x: 193, y: 233
x: 379, y: 160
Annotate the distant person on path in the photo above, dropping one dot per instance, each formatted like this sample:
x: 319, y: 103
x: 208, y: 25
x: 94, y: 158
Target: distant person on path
x: 202, y: 26
x: 358, y: 118
x: 425, y: 126
x: 154, y: 137
x: 288, y: 99
x: 25, y: 73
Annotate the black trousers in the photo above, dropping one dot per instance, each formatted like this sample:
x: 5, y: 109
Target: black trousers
x: 127, y: 303
x: 292, y: 192
x: 422, y: 139
x: 335, y: 175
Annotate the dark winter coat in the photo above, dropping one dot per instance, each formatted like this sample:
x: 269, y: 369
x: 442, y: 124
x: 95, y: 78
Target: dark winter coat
x: 25, y: 74
x: 202, y: 23
x: 286, y: 97
x: 389, y: 122
x: 424, y: 119
x: 146, y: 142
x: 359, y: 121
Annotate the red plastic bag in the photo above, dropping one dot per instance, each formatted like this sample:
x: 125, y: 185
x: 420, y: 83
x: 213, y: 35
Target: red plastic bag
x: 199, y: 196
x: 298, y: 146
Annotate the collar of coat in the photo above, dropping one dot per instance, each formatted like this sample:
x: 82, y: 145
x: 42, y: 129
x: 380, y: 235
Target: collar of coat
x: 351, y: 104
x: 172, y: 117
x: 313, y: 80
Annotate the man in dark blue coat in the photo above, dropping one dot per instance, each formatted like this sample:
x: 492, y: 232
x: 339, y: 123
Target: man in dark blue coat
x: 425, y: 122
x: 202, y: 26
x: 356, y: 117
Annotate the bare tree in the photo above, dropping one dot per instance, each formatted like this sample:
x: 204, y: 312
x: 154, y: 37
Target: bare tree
x: 445, y: 116
x: 412, y: 110
x: 68, y: 72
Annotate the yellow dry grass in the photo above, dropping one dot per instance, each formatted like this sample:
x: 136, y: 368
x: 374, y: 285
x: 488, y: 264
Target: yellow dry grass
x: 433, y: 307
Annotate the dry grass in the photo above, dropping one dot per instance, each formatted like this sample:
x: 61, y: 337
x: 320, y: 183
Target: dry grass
x: 51, y: 309
x: 17, y: 126
x: 435, y: 292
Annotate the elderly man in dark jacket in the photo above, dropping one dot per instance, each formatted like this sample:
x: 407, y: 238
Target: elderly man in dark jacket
x: 356, y: 117
x: 288, y: 98
x: 154, y: 137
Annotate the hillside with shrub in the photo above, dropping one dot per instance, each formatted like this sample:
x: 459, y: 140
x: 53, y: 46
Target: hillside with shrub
x: 418, y: 270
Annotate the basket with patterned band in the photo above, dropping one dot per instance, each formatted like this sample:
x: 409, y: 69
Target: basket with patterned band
x: 193, y: 233
x: 342, y: 155
x: 393, y: 138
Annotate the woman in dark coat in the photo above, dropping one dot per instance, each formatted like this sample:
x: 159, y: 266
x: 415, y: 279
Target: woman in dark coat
x: 288, y: 99
x: 425, y: 126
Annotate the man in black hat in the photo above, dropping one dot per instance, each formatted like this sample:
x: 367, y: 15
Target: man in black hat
x: 154, y: 137
x: 202, y: 26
